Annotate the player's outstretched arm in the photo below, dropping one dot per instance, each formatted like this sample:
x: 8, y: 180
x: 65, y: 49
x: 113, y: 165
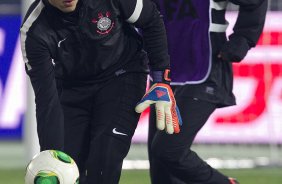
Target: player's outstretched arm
x: 144, y: 15
x: 49, y: 114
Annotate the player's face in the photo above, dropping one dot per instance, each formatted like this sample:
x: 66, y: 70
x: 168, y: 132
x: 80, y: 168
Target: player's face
x: 64, y: 5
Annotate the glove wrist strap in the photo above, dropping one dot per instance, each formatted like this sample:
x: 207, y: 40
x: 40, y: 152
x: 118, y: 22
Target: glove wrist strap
x: 161, y: 76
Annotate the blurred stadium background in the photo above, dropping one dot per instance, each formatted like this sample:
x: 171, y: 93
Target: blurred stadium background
x: 244, y: 141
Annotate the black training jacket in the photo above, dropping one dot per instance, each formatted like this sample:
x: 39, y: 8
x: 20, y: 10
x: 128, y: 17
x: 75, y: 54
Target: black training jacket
x: 97, y: 41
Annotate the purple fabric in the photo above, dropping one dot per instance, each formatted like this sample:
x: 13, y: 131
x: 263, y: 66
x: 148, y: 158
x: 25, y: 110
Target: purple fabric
x: 188, y: 38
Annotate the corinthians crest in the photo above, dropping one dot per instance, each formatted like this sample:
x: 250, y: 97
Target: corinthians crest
x: 104, y: 23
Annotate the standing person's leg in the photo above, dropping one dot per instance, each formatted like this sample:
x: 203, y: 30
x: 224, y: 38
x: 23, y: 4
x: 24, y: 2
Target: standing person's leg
x: 174, y: 150
x: 113, y: 125
x: 76, y: 106
x: 158, y: 172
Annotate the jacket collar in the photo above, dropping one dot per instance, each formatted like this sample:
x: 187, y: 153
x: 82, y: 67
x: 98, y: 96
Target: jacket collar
x: 67, y: 18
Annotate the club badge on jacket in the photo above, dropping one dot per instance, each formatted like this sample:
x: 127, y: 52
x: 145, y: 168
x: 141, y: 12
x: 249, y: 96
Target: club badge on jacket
x: 104, y: 23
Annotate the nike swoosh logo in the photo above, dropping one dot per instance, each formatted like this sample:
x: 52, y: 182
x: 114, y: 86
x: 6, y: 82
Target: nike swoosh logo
x: 59, y: 43
x: 118, y: 133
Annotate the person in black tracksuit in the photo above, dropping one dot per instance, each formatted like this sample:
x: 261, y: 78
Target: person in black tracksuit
x: 201, y: 72
x: 88, y: 69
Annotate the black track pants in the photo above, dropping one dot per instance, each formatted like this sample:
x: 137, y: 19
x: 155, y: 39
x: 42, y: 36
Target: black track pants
x: 171, y: 159
x: 99, y: 123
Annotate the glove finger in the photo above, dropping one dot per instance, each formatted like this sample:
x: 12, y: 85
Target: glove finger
x: 180, y: 122
x: 175, y: 120
x: 144, y: 105
x: 168, y: 121
x: 160, y: 114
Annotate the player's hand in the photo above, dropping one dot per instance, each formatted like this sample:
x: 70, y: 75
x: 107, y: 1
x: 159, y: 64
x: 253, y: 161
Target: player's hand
x: 167, y: 113
x: 234, y: 50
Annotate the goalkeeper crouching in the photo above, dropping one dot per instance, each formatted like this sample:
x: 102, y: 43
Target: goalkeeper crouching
x: 88, y: 67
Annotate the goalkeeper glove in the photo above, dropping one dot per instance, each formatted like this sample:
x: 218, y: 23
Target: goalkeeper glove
x: 161, y: 95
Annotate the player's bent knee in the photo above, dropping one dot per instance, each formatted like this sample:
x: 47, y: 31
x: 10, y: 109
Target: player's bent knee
x: 171, y: 155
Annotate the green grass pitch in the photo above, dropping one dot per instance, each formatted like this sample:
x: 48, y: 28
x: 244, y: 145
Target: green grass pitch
x: 245, y: 176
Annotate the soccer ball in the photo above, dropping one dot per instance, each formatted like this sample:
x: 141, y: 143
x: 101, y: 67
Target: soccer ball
x: 52, y: 167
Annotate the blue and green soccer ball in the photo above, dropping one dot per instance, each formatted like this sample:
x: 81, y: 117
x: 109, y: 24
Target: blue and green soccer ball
x: 52, y: 167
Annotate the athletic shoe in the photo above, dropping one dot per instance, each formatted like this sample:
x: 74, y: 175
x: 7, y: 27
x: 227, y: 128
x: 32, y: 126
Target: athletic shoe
x: 233, y: 181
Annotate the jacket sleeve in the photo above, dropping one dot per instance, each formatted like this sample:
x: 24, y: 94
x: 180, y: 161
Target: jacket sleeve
x: 247, y: 30
x: 250, y: 20
x: 144, y: 15
x: 49, y: 114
